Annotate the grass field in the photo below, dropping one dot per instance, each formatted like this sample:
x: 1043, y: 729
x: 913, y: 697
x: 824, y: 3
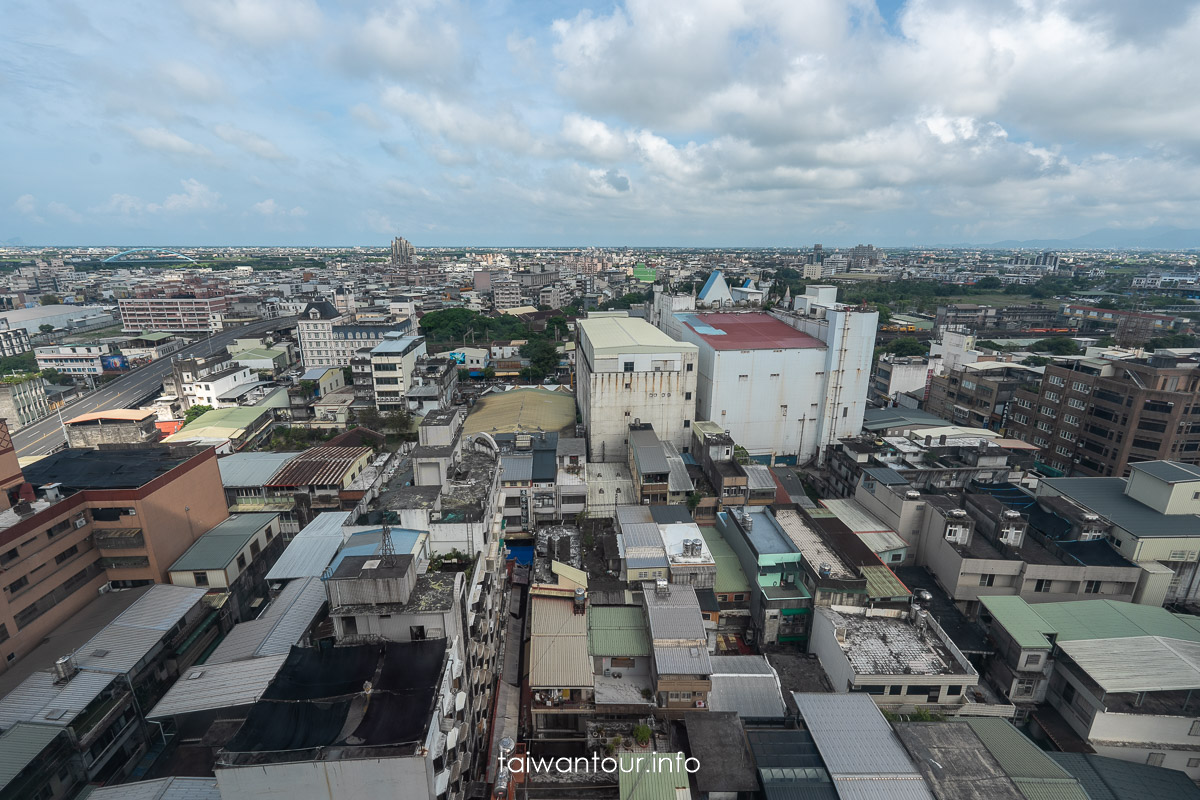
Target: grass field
x: 999, y: 299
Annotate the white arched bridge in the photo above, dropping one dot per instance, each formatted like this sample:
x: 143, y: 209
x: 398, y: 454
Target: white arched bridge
x: 162, y: 256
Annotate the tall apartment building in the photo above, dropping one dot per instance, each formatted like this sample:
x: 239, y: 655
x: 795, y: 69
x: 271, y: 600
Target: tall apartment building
x: 14, y: 342
x: 22, y: 400
x: 630, y: 372
x: 403, y: 253
x: 174, y: 314
x: 329, y: 338
x: 79, y: 519
x: 978, y: 395
x: 1095, y: 417
x: 393, y: 362
x: 506, y: 294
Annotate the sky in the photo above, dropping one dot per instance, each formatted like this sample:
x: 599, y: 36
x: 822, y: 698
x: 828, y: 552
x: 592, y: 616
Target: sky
x: 701, y: 123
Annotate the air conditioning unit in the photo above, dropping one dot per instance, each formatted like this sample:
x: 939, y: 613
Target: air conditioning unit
x: 79, y: 523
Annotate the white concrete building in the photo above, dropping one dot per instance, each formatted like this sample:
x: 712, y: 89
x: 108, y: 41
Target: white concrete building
x: 784, y: 384
x: 629, y: 372
x: 392, y: 364
x: 73, y: 359
x: 22, y: 400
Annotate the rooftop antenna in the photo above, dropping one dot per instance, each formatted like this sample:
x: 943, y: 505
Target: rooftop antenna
x: 387, y: 549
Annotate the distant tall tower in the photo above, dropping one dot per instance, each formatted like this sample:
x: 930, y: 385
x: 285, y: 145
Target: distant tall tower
x: 402, y: 252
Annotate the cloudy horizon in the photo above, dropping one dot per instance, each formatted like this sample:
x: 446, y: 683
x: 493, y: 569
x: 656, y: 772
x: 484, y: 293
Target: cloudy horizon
x: 694, y: 123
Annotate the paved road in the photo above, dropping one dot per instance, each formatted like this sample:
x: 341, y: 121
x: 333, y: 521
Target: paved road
x: 128, y: 391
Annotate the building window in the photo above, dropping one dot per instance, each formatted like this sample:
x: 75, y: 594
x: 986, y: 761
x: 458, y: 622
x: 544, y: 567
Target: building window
x: 1025, y: 687
x: 643, y: 574
x: 200, y: 578
x: 241, y: 561
x: 65, y: 554
x: 1091, y: 587
x: 629, y: 366
x: 254, y: 549
x: 987, y: 580
x: 1041, y: 585
x: 19, y: 584
x: 1193, y: 762
x: 1155, y: 759
x: 687, y: 423
x: 1195, y: 730
x: 688, y: 396
x: 416, y: 633
x: 1033, y: 659
x: 689, y: 367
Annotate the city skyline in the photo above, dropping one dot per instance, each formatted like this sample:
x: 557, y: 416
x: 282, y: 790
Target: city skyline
x: 255, y: 122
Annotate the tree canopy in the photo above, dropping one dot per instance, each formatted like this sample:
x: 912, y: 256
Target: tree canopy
x: 195, y: 411
x: 1058, y: 345
x: 905, y: 346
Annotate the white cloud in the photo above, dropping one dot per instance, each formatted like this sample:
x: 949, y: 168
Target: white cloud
x: 165, y: 141
x: 64, y: 211
x: 460, y: 123
x: 26, y: 205
x: 367, y: 116
x: 192, y: 82
x: 250, y: 142
x: 194, y: 197
x: 257, y: 22
x: 411, y: 39
x: 269, y: 208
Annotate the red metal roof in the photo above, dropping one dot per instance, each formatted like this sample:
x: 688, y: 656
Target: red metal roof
x: 750, y: 331
x: 318, y: 466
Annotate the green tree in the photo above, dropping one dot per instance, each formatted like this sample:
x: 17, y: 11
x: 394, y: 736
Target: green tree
x: 50, y: 300
x: 905, y: 346
x: 1056, y: 345
x: 369, y: 418
x: 45, y: 328
x: 990, y: 283
x: 53, y: 376
x: 400, y: 423
x: 195, y: 411
x: 885, y: 314
x: 489, y: 373
x: 543, y: 358
x: 1174, y: 340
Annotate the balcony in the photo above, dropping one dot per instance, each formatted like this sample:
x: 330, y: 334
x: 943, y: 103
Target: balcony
x: 119, y: 539
x: 124, y: 562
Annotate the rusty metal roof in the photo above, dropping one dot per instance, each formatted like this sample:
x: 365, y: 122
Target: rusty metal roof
x: 319, y: 466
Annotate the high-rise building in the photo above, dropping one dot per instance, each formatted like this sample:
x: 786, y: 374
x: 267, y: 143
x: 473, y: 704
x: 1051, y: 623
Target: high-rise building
x: 1096, y: 417
x: 403, y: 253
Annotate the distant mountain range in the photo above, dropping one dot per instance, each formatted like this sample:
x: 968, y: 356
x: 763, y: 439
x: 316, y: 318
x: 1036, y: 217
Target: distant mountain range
x: 1161, y: 238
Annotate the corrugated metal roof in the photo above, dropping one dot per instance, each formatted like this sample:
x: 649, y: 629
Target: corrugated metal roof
x: 1106, y: 497
x: 558, y: 646
x: 217, y: 548
x: 1078, y: 620
x: 20, y: 746
x: 752, y: 696
x: 758, y: 477
x: 1017, y: 756
x: 160, y: 608
x: 516, y: 468
x: 1162, y: 664
x: 639, y: 781
x: 678, y: 479
x: 319, y: 466
x: 615, y: 335
x: 682, y: 661
x: 281, y: 625
x: 311, y: 550
x: 883, y: 788
x: 853, y: 737
x: 649, y: 458
x: 887, y: 476
x: 210, y: 687
x: 617, y: 631
x: 642, y: 534
x: 251, y: 469
x: 882, y: 582
x: 1019, y: 620
x: 882, y: 541
x: 37, y: 696
x: 1107, y: 778
x: 646, y: 562
x: 630, y: 515
x: 675, y: 623
x: 730, y: 577
x: 741, y: 665
x: 855, y: 517
x: 161, y: 789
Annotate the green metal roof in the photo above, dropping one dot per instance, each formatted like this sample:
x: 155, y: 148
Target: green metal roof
x: 730, y: 578
x: 155, y: 336
x: 1016, y: 755
x: 220, y: 423
x: 217, y: 549
x: 882, y: 582
x: 1114, y: 779
x: 1080, y: 620
x: 643, y: 778
x: 1018, y: 618
x: 21, y: 745
x: 617, y: 631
